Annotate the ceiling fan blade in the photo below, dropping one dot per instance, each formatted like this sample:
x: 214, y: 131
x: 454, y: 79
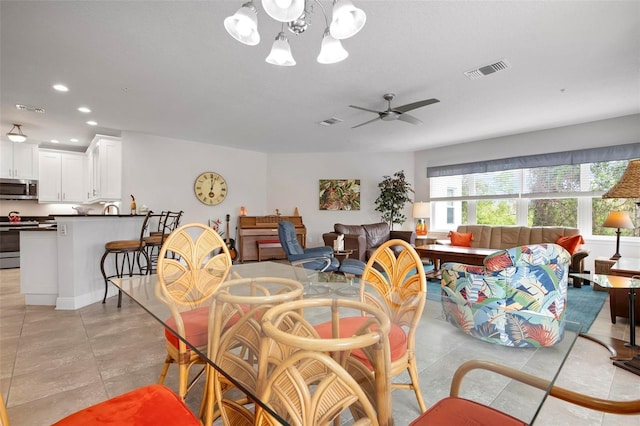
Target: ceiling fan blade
x: 365, y: 109
x: 409, y: 119
x: 419, y: 104
x: 366, y: 122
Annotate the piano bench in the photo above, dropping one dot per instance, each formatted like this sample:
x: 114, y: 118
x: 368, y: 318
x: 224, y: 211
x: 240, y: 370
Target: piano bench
x: 266, y: 244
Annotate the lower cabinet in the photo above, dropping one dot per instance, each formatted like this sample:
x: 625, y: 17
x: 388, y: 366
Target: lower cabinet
x: 61, y: 177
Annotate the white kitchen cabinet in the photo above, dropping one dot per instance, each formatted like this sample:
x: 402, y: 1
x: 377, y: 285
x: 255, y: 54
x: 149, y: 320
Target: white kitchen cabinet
x: 61, y: 177
x: 18, y: 160
x: 105, y: 169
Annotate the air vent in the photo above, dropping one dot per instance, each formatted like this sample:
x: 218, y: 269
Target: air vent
x: 331, y: 121
x: 482, y: 71
x: 30, y: 108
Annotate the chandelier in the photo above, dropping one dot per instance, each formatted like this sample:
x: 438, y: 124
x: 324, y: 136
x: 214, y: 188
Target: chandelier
x: 16, y: 135
x: 346, y: 21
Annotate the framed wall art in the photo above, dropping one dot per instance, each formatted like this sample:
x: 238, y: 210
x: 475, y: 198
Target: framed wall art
x: 339, y: 194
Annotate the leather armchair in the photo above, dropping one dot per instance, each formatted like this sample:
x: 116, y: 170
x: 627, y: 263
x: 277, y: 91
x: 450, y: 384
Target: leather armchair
x: 365, y: 239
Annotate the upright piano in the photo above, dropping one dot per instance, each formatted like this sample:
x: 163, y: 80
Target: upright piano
x: 254, y: 228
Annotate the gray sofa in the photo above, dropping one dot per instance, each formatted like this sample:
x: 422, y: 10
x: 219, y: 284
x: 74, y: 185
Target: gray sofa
x: 365, y: 239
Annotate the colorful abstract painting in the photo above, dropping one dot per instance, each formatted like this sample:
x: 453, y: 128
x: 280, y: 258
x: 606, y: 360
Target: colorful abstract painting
x: 339, y: 194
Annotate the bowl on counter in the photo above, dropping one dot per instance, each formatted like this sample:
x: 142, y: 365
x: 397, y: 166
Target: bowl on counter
x: 82, y: 211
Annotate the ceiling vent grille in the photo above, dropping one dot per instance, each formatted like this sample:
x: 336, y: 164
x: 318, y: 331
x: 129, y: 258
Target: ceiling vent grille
x: 485, y: 70
x: 30, y: 109
x: 330, y: 121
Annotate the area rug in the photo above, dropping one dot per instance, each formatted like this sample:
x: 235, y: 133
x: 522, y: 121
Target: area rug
x: 583, y: 304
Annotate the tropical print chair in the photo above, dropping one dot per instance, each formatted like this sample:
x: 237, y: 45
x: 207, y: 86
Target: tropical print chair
x: 518, y: 298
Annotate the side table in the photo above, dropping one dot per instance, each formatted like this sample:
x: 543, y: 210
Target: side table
x: 342, y: 254
x: 602, y: 266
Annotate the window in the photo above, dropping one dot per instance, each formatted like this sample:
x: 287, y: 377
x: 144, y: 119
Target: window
x: 559, y: 195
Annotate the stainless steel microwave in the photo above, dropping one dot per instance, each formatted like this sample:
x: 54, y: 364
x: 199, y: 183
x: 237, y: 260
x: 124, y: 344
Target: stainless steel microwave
x: 18, y: 189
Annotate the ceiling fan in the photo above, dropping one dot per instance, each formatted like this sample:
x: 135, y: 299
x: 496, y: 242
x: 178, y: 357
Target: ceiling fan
x: 396, y: 113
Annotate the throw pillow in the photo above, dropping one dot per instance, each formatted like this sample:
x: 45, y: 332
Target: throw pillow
x: 461, y: 239
x: 570, y: 244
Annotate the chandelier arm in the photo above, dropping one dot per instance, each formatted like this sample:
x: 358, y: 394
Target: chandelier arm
x: 324, y: 12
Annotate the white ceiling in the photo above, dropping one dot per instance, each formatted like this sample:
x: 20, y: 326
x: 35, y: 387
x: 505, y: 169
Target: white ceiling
x: 169, y: 68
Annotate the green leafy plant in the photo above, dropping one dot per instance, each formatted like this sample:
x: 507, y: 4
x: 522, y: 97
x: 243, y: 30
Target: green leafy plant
x: 394, y: 194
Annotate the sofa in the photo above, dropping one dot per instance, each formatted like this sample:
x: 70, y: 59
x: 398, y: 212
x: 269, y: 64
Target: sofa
x: 518, y: 298
x: 504, y: 237
x: 365, y: 239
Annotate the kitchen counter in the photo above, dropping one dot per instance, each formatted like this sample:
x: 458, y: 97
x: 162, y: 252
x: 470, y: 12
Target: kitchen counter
x: 62, y: 268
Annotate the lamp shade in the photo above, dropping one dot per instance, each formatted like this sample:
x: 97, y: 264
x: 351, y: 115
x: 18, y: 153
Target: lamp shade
x: 618, y: 219
x: 421, y: 210
x: 629, y: 184
x: 331, y: 51
x: 347, y: 20
x: 283, y: 10
x: 281, y: 52
x: 16, y: 135
x: 243, y: 25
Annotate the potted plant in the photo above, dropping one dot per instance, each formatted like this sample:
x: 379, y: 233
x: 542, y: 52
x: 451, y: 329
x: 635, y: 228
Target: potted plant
x: 394, y: 194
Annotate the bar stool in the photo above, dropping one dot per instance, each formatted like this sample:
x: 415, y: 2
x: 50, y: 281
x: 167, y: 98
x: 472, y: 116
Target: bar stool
x: 130, y: 251
x: 167, y: 223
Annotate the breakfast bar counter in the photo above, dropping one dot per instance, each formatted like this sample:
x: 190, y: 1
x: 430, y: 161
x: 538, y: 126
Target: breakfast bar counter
x: 62, y: 268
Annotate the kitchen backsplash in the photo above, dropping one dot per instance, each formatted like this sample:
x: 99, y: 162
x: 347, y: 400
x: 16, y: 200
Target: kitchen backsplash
x: 33, y: 208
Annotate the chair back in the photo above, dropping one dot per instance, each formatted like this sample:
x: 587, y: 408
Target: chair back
x: 397, y: 280
x: 4, y: 418
x: 193, y: 261
x: 310, y: 388
x: 289, y: 239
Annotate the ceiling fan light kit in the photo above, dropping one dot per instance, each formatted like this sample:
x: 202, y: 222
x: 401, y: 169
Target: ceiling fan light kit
x: 16, y: 135
x: 346, y: 21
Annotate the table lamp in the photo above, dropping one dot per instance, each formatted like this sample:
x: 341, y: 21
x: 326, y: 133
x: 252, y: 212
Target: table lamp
x: 618, y: 219
x: 421, y: 211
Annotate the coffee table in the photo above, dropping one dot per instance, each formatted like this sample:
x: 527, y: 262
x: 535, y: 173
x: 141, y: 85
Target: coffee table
x: 441, y: 253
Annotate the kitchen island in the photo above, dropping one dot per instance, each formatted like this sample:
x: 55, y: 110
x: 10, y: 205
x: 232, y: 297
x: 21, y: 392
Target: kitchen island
x: 62, y: 267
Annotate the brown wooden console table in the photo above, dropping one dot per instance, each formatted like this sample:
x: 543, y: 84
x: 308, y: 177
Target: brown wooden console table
x: 443, y: 253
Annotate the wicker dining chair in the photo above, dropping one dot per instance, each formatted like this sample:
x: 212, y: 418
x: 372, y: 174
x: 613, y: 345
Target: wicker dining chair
x: 235, y: 337
x: 308, y: 388
x: 192, y: 263
x: 400, y: 290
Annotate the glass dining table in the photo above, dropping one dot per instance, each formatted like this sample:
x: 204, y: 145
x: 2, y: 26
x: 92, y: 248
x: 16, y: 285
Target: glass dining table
x: 440, y: 347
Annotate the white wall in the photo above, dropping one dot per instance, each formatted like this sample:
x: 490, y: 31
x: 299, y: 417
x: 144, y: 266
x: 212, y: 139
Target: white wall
x: 294, y: 182
x: 160, y: 173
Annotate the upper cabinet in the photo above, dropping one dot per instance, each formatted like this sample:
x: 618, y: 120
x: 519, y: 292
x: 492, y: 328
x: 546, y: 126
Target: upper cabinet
x: 104, y: 169
x: 18, y: 160
x: 61, y: 177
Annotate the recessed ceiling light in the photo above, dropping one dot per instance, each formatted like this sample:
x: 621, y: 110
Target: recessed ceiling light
x: 74, y: 140
x: 92, y: 123
x: 55, y: 141
x: 61, y: 87
x: 84, y: 109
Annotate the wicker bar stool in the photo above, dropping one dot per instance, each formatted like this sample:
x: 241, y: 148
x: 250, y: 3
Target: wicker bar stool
x: 126, y: 252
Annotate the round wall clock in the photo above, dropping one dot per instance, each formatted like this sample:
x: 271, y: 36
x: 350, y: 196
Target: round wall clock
x: 210, y: 188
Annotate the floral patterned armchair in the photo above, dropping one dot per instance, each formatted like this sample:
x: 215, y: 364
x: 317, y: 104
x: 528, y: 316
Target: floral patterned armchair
x: 518, y: 298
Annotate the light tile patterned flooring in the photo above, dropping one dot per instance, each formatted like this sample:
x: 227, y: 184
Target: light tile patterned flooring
x: 53, y: 363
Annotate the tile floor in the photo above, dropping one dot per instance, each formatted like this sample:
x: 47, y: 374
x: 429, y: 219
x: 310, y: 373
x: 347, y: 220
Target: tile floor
x: 53, y: 362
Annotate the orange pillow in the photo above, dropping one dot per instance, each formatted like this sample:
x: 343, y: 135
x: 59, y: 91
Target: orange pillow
x: 570, y: 244
x: 461, y: 239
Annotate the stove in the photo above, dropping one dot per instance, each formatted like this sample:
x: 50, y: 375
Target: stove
x: 10, y: 240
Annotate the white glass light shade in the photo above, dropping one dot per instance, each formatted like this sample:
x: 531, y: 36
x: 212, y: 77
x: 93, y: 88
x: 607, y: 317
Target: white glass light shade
x: 281, y: 52
x: 347, y: 20
x: 243, y: 25
x: 331, y: 50
x: 421, y: 210
x: 283, y: 10
x: 16, y: 135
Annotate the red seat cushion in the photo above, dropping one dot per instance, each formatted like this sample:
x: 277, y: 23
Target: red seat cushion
x: 149, y: 405
x: 196, y: 324
x: 460, y: 411
x: 349, y: 326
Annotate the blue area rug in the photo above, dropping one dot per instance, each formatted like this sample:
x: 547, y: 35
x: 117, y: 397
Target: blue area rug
x: 583, y: 304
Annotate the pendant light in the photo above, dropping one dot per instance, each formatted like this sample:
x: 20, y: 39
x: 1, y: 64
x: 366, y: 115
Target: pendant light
x: 347, y: 19
x: 16, y: 135
x: 243, y: 25
x: 283, y: 10
x: 281, y: 52
x: 331, y: 51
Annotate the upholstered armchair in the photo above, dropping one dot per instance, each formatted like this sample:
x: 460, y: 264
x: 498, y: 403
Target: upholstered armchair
x: 365, y: 239
x: 316, y: 258
x: 518, y: 298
